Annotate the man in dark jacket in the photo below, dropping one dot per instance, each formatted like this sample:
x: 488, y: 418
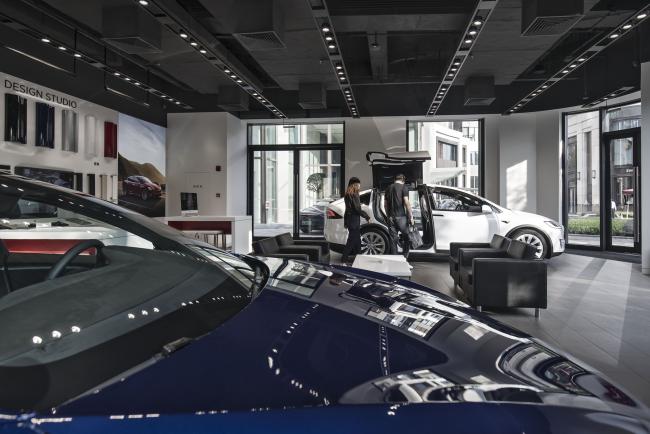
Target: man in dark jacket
x: 399, y: 213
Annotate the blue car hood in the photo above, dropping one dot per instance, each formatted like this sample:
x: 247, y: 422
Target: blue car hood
x: 317, y: 336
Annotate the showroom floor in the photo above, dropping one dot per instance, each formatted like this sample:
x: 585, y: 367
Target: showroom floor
x: 599, y: 311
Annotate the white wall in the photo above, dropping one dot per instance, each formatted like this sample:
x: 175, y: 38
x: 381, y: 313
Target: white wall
x: 15, y: 154
x: 196, y: 144
x: 645, y: 167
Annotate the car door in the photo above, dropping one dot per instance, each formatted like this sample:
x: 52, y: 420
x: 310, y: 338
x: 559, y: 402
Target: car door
x: 461, y: 217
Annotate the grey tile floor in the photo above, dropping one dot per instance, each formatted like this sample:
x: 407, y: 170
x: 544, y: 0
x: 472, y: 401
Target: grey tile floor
x: 598, y: 311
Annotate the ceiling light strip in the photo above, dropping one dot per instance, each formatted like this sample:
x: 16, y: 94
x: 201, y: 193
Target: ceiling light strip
x: 206, y: 51
x: 328, y: 35
x: 619, y: 92
x: 474, y: 27
x: 585, y: 56
x: 78, y: 55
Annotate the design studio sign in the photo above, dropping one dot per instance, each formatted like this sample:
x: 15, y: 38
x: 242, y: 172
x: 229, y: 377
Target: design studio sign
x: 36, y: 92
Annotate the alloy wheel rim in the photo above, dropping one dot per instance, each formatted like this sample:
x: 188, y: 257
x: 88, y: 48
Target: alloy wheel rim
x: 534, y: 241
x: 372, y: 244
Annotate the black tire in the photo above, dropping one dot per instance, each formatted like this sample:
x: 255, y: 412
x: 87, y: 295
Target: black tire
x: 534, y: 237
x: 376, y: 239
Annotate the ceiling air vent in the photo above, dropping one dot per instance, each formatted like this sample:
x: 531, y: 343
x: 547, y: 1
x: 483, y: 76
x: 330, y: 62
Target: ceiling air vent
x: 131, y: 30
x: 479, y: 91
x: 546, y: 18
x: 260, y: 41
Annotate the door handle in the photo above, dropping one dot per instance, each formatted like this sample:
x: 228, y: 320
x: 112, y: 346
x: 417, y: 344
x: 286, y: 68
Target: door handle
x: 437, y: 215
x: 637, y: 208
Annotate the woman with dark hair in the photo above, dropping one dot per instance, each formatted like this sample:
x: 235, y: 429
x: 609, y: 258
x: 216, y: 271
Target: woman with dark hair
x: 352, y: 219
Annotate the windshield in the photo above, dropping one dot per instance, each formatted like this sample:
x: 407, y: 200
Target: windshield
x: 112, y: 309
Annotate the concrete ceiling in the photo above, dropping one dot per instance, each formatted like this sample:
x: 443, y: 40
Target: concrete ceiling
x: 395, y: 51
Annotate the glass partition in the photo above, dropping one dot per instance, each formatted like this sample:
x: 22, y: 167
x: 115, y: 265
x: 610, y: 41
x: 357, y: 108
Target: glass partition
x: 298, y: 134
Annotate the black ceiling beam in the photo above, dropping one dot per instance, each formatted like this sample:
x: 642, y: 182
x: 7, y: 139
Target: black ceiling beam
x: 586, y: 55
x: 172, y: 16
x: 476, y: 24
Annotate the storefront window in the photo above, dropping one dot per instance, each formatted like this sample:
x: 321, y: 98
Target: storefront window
x: 296, y: 134
x: 622, y: 118
x: 454, y: 148
x: 582, y: 166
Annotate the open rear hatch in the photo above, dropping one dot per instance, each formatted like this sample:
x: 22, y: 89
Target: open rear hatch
x: 385, y: 167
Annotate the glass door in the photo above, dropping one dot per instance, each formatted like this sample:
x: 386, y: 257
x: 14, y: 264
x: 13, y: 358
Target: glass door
x: 320, y: 183
x: 623, y: 230
x: 273, y: 192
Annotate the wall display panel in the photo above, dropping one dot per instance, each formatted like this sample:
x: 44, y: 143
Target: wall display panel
x: 70, y: 131
x: 44, y: 125
x: 141, y: 166
x: 110, y: 140
x: 15, y: 118
x: 53, y: 176
x: 90, y: 135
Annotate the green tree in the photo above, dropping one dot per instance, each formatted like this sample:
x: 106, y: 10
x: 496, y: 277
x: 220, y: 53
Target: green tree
x: 315, y: 183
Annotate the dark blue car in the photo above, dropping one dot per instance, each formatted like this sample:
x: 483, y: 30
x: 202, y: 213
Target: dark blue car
x: 137, y: 329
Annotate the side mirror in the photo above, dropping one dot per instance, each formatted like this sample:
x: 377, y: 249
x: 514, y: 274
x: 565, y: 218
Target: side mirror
x: 486, y: 209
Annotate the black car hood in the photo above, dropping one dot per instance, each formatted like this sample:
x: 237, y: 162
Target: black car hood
x: 320, y: 336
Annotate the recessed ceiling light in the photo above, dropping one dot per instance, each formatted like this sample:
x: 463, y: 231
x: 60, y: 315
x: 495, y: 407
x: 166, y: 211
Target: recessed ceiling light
x: 233, y: 76
x: 478, y: 22
x: 450, y: 75
x: 239, y: 80
x: 143, y: 2
x: 566, y: 71
x: 227, y: 71
x: 572, y: 65
x: 342, y: 78
x: 328, y: 38
x: 46, y: 40
x: 613, y: 36
x: 456, y: 63
x: 136, y: 83
x: 627, y: 26
x: 202, y: 51
x: 468, y: 41
x: 582, y: 59
x: 254, y: 93
x: 194, y: 43
x: 341, y: 73
x: 545, y: 86
x: 77, y: 55
x: 339, y: 66
x: 117, y: 74
x: 331, y: 46
x: 641, y: 16
x: 177, y: 102
x: 127, y: 79
x: 325, y: 28
x: 62, y: 48
x: 454, y: 69
x: 473, y: 32
x: 183, y: 35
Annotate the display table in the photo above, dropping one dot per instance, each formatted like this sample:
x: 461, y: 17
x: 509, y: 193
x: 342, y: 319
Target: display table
x: 240, y: 228
x: 393, y: 265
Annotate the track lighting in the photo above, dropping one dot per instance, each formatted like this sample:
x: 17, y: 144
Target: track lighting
x: 62, y: 48
x: 614, y: 35
x: 143, y: 2
x: 473, y: 32
x: 641, y: 16
x: 627, y: 26
x: 194, y: 43
x: 329, y: 38
x: 339, y: 67
x: 202, y: 51
x: 326, y: 28
x: 478, y: 21
x: 183, y: 35
x: 77, y: 55
x: 46, y: 40
x: 117, y: 74
x: 331, y: 46
x: 468, y: 41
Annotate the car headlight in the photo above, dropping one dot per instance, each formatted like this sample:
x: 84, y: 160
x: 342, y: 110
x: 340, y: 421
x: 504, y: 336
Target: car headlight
x: 553, y: 224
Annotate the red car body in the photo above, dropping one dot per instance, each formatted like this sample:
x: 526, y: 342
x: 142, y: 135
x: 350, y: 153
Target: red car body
x: 142, y: 187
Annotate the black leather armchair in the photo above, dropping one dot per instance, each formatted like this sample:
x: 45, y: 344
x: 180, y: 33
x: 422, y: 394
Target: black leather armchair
x: 513, y: 278
x: 269, y: 247
x: 286, y: 241
x: 498, y: 243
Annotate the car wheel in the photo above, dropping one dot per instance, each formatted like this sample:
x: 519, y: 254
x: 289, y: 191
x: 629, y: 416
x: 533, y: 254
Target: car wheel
x: 534, y: 238
x: 373, y: 242
x: 145, y: 195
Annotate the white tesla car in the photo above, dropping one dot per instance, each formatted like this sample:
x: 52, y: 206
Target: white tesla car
x: 443, y: 215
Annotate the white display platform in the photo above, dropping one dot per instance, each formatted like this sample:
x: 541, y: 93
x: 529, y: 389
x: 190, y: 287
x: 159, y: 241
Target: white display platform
x: 393, y: 265
x: 240, y: 228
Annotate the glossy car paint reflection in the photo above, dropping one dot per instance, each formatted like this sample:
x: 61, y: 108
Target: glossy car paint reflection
x: 327, y: 349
